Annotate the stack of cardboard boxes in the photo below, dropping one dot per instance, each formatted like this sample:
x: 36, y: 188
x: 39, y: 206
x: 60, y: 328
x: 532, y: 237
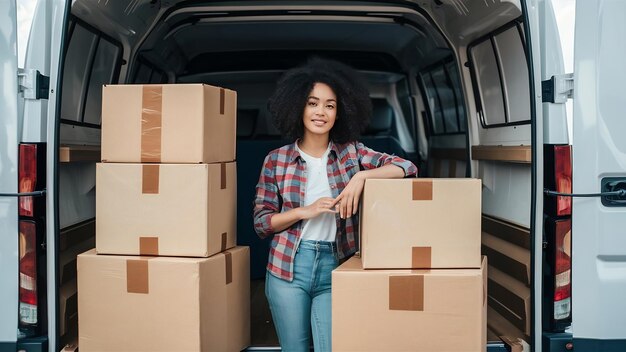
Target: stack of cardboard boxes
x: 167, y: 275
x: 420, y: 282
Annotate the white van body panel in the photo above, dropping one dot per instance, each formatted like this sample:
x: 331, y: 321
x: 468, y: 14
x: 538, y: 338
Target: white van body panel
x: 35, y: 113
x: 8, y: 171
x: 599, y: 150
x: 555, y: 123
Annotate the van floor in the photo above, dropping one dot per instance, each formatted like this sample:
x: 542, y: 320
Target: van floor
x: 263, y: 333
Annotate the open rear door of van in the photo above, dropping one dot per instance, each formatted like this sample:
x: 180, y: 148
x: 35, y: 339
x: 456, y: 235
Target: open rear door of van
x: 599, y: 164
x: 28, y: 159
x: 8, y: 176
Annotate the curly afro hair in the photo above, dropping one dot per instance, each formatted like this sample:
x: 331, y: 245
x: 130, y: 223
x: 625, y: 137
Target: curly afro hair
x: 354, y: 107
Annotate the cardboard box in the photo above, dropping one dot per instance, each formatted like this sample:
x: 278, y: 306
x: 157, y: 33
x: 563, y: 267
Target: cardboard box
x: 420, y: 223
x: 171, y: 123
x: 165, y: 209
x: 408, y: 310
x: 164, y: 304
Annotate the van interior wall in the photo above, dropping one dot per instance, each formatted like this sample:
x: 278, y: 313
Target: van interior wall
x: 499, y: 156
x: 245, y: 57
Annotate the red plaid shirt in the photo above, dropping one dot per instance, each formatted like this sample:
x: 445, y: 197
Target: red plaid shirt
x: 281, y: 187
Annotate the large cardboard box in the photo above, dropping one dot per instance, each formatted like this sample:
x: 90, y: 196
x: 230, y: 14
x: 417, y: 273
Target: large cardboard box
x: 421, y: 223
x: 409, y: 310
x: 164, y: 304
x: 165, y: 209
x: 171, y: 123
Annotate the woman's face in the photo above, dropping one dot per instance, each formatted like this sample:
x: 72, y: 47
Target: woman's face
x: 320, y: 110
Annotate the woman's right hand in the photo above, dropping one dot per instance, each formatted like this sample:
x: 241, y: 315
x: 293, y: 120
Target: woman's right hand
x: 320, y: 206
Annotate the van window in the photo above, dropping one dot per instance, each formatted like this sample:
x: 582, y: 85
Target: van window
x: 148, y: 74
x: 453, y: 74
x: 91, y: 61
x: 514, y: 74
x: 404, y: 98
x: 444, y: 99
x: 102, y: 72
x: 500, y: 73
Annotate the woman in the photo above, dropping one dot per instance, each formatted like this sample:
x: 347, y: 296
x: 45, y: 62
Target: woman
x: 308, y: 194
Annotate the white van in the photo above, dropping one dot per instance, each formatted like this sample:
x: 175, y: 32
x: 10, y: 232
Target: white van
x: 462, y: 88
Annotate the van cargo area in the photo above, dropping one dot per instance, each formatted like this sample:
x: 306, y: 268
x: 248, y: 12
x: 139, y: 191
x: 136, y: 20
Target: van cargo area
x: 451, y: 87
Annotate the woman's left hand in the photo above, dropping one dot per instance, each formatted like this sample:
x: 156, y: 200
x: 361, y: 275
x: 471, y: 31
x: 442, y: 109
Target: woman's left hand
x: 348, y: 199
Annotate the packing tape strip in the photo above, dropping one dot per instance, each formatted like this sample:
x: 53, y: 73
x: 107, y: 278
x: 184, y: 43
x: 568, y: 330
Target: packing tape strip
x: 151, y: 114
x: 222, y: 100
x: 422, y: 189
x: 137, y: 276
x: 224, y: 240
x: 229, y: 267
x: 406, y: 292
x: 149, y: 246
x: 421, y: 257
x: 150, y: 179
x: 222, y: 175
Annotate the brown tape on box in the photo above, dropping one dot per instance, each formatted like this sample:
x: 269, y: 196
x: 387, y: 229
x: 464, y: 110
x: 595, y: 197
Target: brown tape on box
x: 151, y: 110
x: 422, y: 190
x: 421, y: 257
x: 224, y: 240
x: 223, y: 176
x: 149, y: 246
x: 150, y: 179
x: 406, y: 292
x: 137, y: 276
x: 229, y: 267
x: 222, y: 100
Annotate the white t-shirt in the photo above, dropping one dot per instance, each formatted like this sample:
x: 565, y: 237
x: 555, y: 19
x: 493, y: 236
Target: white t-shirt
x: 324, y: 226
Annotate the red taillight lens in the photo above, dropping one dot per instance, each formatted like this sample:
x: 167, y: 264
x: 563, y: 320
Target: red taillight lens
x: 27, y: 177
x: 563, y: 269
x: 28, y: 272
x: 563, y: 178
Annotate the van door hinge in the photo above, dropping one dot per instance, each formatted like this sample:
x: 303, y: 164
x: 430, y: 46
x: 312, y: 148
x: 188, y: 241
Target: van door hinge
x: 33, y: 84
x: 557, y: 89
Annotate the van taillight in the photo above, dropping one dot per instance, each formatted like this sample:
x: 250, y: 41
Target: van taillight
x: 27, y: 177
x: 28, y: 273
x: 563, y: 178
x: 563, y: 269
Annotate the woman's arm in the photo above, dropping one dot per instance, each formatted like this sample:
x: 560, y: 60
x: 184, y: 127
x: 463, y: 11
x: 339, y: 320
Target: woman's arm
x: 349, y: 197
x: 281, y: 221
x: 284, y: 220
x: 385, y: 171
x: 375, y: 165
x: 268, y: 218
x: 371, y: 159
x: 267, y: 202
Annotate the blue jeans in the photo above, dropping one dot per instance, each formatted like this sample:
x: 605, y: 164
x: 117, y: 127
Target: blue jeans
x: 304, y: 304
